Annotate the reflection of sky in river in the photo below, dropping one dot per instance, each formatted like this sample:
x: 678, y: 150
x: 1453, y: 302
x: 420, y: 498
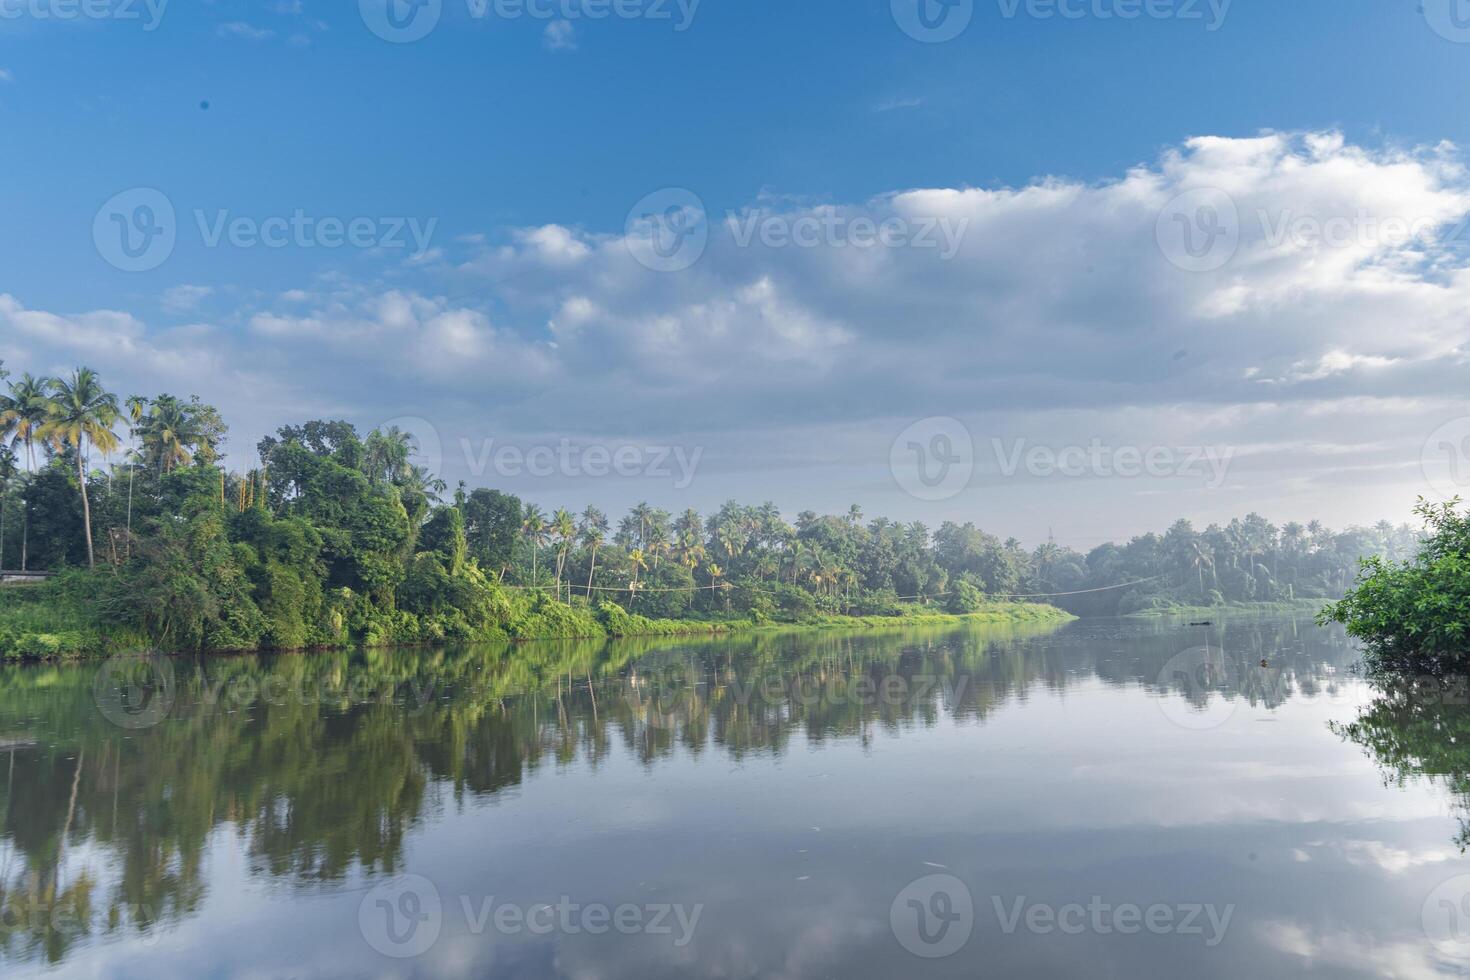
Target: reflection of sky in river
x: 1062, y: 792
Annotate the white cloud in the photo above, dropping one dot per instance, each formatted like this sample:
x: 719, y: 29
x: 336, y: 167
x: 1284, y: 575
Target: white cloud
x: 560, y: 35
x: 1325, y: 359
x: 182, y: 299
x: 240, y: 29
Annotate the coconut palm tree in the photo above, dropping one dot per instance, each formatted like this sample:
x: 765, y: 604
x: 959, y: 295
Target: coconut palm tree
x: 564, y: 527
x: 594, y: 533
x: 533, y: 529
x: 637, y: 561
x: 386, y: 453
x: 79, y: 412
x: 23, y: 412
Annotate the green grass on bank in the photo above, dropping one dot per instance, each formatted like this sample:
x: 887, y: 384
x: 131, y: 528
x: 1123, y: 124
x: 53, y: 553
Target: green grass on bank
x: 1307, y: 606
x: 49, y: 620
x: 57, y: 620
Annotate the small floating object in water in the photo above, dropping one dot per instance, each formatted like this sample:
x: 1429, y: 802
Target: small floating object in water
x: 1203, y: 622
x: 1264, y: 663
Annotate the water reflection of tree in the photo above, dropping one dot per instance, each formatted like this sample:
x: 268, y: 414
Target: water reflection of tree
x: 1419, y: 729
x: 323, y: 764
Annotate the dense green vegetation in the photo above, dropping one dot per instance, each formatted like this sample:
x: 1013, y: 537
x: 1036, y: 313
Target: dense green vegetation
x: 337, y: 538
x: 1416, y: 613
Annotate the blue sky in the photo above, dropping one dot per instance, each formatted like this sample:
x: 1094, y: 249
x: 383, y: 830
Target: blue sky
x: 522, y: 143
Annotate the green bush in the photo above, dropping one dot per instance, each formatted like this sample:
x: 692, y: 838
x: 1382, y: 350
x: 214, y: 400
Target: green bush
x: 963, y: 598
x: 1415, y: 613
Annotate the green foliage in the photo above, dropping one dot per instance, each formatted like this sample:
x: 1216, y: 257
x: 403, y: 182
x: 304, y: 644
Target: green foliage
x: 339, y: 538
x: 964, y: 598
x: 1416, y: 613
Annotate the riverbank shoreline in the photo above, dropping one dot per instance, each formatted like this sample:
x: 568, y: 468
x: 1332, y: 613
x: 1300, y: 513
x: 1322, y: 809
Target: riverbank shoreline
x: 40, y: 625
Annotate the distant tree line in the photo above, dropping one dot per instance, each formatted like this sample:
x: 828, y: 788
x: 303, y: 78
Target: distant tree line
x: 338, y: 536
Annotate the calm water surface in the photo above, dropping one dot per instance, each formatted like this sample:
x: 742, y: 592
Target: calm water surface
x: 1105, y: 799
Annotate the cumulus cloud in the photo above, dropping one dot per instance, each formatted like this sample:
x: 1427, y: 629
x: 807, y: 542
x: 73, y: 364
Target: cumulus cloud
x: 1324, y: 340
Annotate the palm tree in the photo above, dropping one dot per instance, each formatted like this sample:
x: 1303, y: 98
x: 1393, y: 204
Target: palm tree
x: 23, y: 413
x: 533, y: 528
x: 644, y: 515
x: 386, y: 453
x: 594, y: 532
x: 80, y: 411
x: 422, y: 481
x: 635, y: 558
x: 564, y: 526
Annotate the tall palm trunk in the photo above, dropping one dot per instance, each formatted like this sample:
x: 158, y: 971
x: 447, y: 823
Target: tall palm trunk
x: 86, y: 507
x: 130, y: 511
x: 25, y: 510
x: 590, y: 571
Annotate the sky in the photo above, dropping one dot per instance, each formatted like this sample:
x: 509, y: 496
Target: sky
x: 1058, y: 267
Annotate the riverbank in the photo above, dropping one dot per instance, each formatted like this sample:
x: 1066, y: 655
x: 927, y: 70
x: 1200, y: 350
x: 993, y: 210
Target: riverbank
x: 59, y: 620
x: 1308, y: 607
